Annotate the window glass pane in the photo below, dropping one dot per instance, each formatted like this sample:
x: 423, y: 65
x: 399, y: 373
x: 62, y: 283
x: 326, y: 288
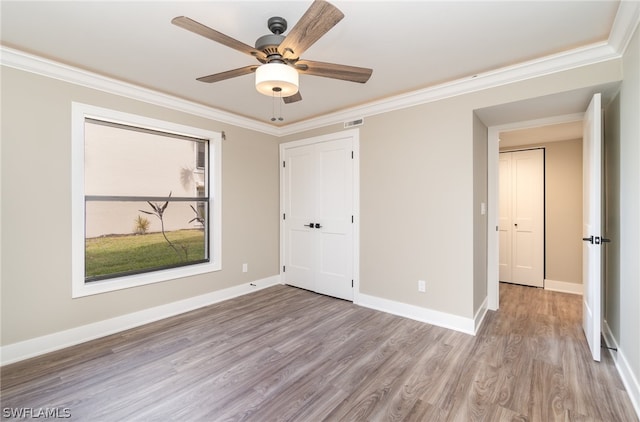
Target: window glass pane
x: 121, y: 238
x: 126, y: 162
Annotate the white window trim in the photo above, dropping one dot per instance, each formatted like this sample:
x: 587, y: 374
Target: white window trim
x: 78, y: 286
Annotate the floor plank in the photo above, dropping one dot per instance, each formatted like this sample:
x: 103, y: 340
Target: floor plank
x: 285, y: 354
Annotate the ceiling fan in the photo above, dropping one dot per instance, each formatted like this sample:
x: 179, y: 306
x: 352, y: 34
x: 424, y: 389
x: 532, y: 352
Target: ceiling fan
x: 279, y: 55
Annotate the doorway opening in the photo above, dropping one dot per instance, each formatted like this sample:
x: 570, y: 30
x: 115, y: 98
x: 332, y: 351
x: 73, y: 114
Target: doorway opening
x: 561, y: 138
x: 528, y: 114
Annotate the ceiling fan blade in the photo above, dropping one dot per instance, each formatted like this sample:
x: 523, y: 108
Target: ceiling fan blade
x: 203, y: 30
x: 217, y: 77
x: 316, y: 21
x: 334, y: 71
x: 292, y: 98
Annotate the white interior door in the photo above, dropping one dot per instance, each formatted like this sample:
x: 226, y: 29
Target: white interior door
x: 592, y: 225
x: 300, y: 209
x: 504, y: 218
x: 527, y: 211
x: 334, y: 275
x: 318, y: 217
x: 521, y: 220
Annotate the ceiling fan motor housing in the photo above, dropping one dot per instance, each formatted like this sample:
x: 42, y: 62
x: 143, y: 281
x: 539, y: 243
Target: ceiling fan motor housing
x: 268, y: 44
x: 275, y: 77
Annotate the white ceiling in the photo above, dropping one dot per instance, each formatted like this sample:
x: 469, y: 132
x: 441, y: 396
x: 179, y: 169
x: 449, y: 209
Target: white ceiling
x: 410, y: 45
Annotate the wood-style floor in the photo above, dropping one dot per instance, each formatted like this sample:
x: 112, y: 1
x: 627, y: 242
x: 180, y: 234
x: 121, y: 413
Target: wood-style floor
x: 288, y: 354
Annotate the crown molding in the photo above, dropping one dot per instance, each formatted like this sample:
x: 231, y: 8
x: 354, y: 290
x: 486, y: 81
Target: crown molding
x: 592, y: 54
x: 31, y: 63
x: 624, y: 25
x: 626, y: 21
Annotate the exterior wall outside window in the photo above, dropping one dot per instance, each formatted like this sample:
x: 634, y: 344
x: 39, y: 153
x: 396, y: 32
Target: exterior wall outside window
x: 132, y: 163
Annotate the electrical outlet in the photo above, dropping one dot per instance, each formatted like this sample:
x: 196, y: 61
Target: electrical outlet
x: 422, y: 286
x: 245, y: 268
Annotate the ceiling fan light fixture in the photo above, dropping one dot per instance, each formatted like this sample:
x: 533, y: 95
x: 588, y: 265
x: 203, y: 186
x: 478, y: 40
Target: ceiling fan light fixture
x: 271, y: 76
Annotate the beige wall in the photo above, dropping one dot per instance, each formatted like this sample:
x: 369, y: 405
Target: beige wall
x: 622, y: 153
x: 563, y: 209
x: 416, y: 204
x: 480, y: 197
x: 36, y: 210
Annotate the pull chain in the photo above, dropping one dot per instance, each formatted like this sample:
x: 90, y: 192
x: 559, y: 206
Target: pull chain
x: 273, y: 105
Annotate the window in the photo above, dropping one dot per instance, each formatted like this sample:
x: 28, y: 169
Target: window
x: 146, y: 200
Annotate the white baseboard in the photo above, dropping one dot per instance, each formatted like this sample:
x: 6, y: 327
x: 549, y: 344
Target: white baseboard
x: 629, y: 379
x: 563, y: 286
x: 430, y: 316
x: 478, y: 319
x: 40, y: 345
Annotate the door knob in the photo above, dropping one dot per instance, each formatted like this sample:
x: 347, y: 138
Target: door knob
x: 310, y: 225
x: 318, y: 226
x: 601, y: 240
x: 588, y: 239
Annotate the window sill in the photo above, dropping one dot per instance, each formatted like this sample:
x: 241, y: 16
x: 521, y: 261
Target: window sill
x: 82, y: 289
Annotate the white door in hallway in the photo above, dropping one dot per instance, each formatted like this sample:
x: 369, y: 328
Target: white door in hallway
x: 504, y: 219
x: 592, y: 225
x: 521, y: 220
x: 318, y: 196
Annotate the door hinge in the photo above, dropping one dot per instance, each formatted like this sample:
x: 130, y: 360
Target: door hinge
x: 352, y: 155
x: 284, y: 216
x: 284, y: 164
x: 351, y: 219
x: 284, y: 269
x: 351, y: 283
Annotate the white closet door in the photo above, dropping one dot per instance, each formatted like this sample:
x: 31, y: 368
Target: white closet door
x: 504, y: 220
x: 318, y: 217
x: 527, y: 175
x: 300, y: 209
x: 524, y: 228
x: 334, y: 210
